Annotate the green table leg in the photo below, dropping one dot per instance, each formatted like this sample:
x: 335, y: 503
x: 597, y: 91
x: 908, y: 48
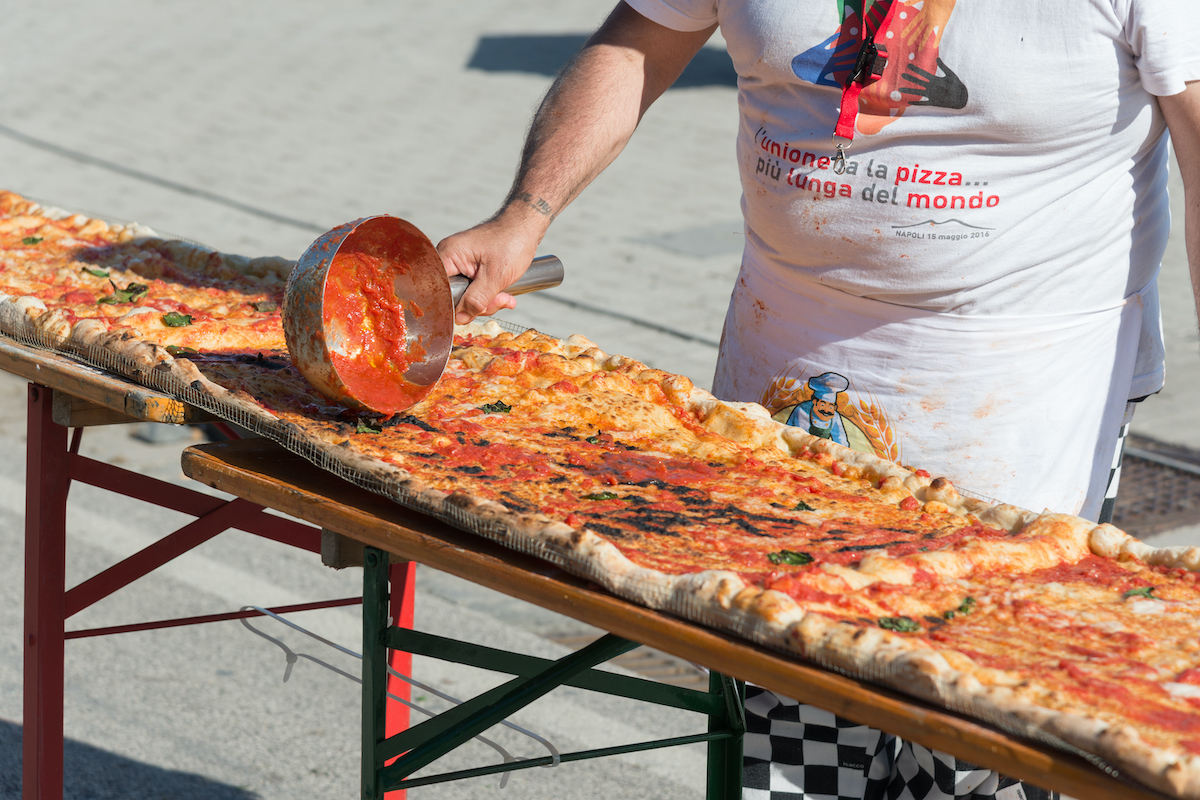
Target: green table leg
x: 725, y: 755
x: 726, y: 720
x: 374, y: 674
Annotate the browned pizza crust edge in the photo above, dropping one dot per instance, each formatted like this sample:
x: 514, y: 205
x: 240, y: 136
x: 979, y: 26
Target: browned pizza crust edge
x: 717, y: 598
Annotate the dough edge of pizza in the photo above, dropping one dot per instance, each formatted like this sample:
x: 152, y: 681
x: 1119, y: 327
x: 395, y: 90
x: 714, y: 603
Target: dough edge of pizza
x: 729, y: 600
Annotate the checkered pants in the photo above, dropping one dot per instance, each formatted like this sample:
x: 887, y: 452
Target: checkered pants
x: 795, y: 751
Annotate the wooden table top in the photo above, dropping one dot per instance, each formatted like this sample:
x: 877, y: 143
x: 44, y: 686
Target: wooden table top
x: 91, y: 395
x: 265, y: 473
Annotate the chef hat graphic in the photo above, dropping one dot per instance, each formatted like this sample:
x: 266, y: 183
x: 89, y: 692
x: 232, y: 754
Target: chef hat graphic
x: 827, y: 387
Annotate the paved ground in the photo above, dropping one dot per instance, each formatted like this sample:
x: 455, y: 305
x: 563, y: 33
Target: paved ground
x: 253, y: 127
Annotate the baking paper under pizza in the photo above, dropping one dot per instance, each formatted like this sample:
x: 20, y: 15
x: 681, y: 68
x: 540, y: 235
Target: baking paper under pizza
x: 635, y: 478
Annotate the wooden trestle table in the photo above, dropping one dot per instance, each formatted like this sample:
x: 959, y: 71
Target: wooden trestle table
x: 65, y: 394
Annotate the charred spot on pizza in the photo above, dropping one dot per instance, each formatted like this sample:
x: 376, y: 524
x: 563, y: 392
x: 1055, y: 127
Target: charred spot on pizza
x: 409, y: 419
x: 651, y: 520
x: 855, y: 548
x: 518, y: 503
x: 610, y: 531
x: 565, y: 433
x: 749, y: 528
x: 557, y: 479
x: 266, y: 362
x: 469, y: 469
x: 426, y: 455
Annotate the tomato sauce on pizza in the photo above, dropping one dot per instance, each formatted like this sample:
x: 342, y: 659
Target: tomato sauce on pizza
x: 559, y: 432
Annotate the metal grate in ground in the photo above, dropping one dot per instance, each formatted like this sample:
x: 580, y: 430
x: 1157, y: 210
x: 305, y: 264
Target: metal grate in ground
x: 647, y: 662
x: 1159, y: 489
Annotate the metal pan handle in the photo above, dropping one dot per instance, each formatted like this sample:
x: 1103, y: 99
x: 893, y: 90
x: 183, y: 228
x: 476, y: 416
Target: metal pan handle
x: 545, y: 272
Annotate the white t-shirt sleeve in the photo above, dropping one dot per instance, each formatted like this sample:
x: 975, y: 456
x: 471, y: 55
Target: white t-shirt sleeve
x: 1162, y: 34
x: 683, y: 15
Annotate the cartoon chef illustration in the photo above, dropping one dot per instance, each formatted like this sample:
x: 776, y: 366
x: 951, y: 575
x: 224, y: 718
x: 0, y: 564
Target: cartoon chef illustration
x: 819, y: 415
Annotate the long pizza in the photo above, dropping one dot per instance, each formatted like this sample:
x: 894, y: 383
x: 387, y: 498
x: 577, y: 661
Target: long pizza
x: 637, y: 479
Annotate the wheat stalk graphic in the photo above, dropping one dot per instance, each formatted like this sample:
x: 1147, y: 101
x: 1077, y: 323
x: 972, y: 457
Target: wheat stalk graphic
x: 785, y: 390
x: 873, y: 422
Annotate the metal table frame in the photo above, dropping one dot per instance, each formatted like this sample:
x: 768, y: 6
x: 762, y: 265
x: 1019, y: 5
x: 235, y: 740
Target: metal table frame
x: 389, y: 760
x: 68, y: 395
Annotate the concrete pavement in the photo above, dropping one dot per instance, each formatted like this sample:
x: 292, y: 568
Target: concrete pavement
x: 253, y: 127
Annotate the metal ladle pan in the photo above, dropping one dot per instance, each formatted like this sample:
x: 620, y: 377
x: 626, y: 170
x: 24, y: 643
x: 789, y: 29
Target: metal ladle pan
x: 369, y: 312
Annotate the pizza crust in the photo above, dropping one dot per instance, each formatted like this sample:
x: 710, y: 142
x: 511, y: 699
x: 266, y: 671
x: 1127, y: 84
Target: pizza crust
x: 714, y: 597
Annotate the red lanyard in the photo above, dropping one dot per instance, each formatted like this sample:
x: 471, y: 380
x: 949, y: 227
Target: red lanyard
x: 868, y: 67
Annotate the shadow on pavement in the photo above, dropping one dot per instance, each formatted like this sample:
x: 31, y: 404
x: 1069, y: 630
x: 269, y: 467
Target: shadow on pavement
x: 547, y: 54
x: 96, y: 774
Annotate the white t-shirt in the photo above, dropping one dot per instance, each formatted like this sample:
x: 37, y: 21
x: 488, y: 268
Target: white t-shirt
x: 982, y: 276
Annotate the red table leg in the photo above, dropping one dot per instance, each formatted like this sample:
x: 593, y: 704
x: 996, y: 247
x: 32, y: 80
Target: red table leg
x: 50, y: 468
x: 45, y: 581
x: 403, y: 579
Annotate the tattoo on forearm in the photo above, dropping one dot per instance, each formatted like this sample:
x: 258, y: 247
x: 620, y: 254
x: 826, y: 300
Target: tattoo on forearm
x: 539, y: 205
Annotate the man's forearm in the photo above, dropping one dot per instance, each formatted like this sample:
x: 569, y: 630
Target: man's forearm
x: 1182, y: 112
x: 587, y: 117
x: 583, y: 123
x: 593, y: 108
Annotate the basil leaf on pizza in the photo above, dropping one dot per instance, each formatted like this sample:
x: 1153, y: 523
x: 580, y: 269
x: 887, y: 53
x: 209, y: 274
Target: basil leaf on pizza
x: 790, y: 558
x: 965, y: 607
x: 498, y: 407
x: 131, y: 293
x: 96, y: 273
x: 32, y: 240
x: 1141, y: 591
x: 603, y: 496
x: 173, y: 319
x: 900, y: 624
